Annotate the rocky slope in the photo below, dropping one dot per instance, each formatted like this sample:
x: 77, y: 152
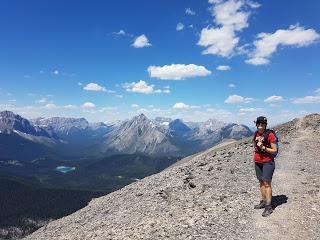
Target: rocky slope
x: 210, y: 195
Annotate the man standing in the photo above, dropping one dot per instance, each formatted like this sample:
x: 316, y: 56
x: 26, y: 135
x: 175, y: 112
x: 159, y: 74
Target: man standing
x: 264, y: 143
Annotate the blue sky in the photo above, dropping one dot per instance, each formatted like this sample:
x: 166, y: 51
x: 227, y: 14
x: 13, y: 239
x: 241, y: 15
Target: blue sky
x: 106, y: 60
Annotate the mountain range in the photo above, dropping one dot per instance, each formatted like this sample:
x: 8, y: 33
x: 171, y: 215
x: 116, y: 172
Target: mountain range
x: 66, y: 138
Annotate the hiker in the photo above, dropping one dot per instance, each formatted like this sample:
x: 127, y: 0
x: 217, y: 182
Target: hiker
x: 264, y: 142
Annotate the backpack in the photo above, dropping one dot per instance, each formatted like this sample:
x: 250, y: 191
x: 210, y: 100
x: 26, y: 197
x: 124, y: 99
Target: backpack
x: 265, y: 141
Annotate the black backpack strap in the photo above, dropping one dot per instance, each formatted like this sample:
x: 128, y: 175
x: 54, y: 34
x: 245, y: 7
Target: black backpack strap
x: 254, y: 136
x: 256, y: 149
x: 266, y: 137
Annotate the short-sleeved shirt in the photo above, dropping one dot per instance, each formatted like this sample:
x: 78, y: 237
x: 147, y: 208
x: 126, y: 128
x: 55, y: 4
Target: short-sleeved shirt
x: 264, y: 157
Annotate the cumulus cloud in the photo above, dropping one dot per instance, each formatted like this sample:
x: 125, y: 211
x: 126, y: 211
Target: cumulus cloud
x: 96, y: 87
x: 274, y: 99
x: 143, y: 87
x: 231, y: 85
x: 230, y: 17
x: 238, y: 99
x: 88, y: 105
x: 134, y: 105
x: 177, y: 71
x: 230, y: 13
x: 190, y: 12
x: 219, y: 41
x: 307, y: 100
x: 223, y: 68
x: 180, y: 26
x: 141, y: 41
x: 181, y: 105
x: 267, y: 43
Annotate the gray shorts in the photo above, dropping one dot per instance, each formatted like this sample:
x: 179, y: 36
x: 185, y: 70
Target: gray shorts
x: 264, y: 171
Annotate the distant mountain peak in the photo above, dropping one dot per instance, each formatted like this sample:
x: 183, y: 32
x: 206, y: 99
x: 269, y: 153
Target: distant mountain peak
x: 141, y: 116
x: 178, y: 125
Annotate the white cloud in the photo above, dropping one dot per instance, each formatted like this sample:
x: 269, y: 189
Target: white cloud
x: 219, y: 41
x: 143, y: 87
x: 94, y: 87
x: 180, y: 26
x: 70, y: 106
x: 88, y: 105
x: 229, y: 14
x: 177, y: 71
x: 257, y: 61
x: 141, y: 41
x: 253, y: 4
x: 42, y: 100
x: 79, y: 83
x: 166, y: 90
x: 181, y: 105
x: 267, y: 43
x: 134, y: 105
x: 108, y: 109
x: 230, y: 17
x: 140, y: 87
x: 190, y: 12
x: 249, y: 110
x: 142, y: 110
x: 231, y: 85
x: 274, y: 99
x: 121, y: 32
x: 317, y: 91
x: 237, y: 99
x: 215, y: 1
x: 223, y: 68
x: 50, y: 106
x: 56, y: 72
x: 306, y: 100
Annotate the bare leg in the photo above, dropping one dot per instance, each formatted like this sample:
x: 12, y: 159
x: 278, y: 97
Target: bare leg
x: 262, y: 190
x: 268, y: 192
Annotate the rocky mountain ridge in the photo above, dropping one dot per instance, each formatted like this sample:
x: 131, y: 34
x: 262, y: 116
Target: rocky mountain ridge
x: 74, y: 137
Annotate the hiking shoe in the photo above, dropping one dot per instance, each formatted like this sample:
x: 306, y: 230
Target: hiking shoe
x: 262, y: 204
x: 267, y: 210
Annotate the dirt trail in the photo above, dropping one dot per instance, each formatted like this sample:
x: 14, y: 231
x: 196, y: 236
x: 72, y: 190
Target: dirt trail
x: 296, y: 185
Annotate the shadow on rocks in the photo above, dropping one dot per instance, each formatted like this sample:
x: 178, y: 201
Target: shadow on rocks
x: 278, y: 200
